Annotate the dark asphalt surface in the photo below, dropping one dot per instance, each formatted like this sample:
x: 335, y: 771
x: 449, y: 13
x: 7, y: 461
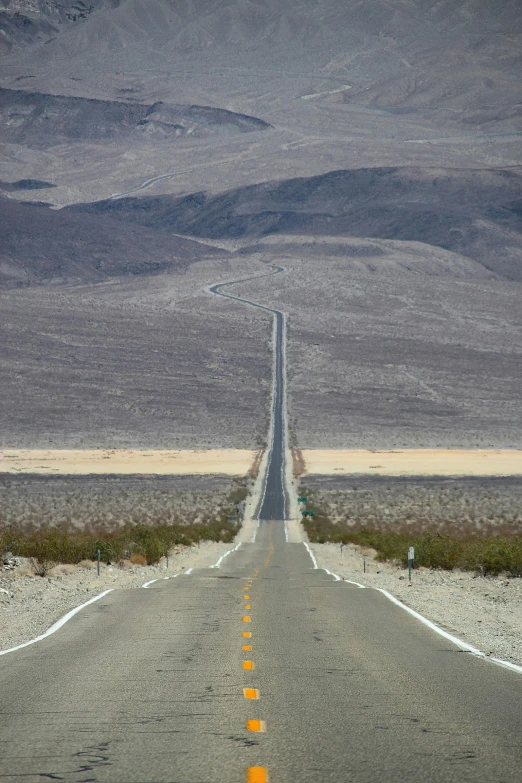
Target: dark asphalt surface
x: 273, y: 501
x: 146, y: 686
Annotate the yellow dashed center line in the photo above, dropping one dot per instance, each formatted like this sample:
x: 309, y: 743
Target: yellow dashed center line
x: 256, y: 725
x: 254, y: 774
x: 270, y: 553
x: 257, y: 775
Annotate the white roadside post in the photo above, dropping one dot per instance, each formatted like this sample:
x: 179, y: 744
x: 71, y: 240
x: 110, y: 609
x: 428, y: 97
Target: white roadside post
x: 411, y: 558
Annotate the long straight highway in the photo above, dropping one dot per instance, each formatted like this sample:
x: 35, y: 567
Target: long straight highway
x: 262, y: 668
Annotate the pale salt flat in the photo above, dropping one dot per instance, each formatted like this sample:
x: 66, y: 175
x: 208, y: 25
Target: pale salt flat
x: 230, y: 462
x: 414, y: 462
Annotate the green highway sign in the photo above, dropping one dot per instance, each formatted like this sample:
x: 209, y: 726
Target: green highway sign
x: 308, y: 513
x: 302, y: 500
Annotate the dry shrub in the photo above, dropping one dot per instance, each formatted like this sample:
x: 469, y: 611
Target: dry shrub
x: 22, y: 571
x: 138, y: 560
x: 88, y: 565
x: 42, y: 566
x: 64, y: 569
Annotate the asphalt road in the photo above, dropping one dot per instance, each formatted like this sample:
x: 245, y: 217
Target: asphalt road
x: 148, y: 686
x: 273, y: 502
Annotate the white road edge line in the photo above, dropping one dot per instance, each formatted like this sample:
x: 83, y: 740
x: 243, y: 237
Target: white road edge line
x: 217, y: 565
x: 314, y: 561
x: 164, y: 578
x: 454, y: 639
x: 255, y: 533
x: 335, y: 576
x: 59, y: 623
x: 424, y: 620
x: 351, y: 582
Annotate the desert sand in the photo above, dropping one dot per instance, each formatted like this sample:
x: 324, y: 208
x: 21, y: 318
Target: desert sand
x: 230, y: 462
x: 415, y: 462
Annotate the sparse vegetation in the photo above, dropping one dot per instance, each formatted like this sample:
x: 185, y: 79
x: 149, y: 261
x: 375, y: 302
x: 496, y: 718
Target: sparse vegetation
x: 488, y: 551
x: 475, y: 505
x: 69, y: 522
x: 109, y: 502
x: 143, y: 545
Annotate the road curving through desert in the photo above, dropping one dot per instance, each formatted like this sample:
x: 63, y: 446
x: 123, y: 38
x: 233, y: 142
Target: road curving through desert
x: 273, y: 503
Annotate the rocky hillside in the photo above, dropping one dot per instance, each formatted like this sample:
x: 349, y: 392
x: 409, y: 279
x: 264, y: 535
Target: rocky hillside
x: 37, y: 119
x: 41, y: 245
x: 28, y: 21
x: 452, y: 57
x: 475, y: 213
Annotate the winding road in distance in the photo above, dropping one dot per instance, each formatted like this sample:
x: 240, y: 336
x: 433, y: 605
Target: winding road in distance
x: 261, y: 668
x: 273, y: 503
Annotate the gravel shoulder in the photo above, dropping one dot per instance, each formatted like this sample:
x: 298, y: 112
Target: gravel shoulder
x: 29, y: 605
x: 485, y: 612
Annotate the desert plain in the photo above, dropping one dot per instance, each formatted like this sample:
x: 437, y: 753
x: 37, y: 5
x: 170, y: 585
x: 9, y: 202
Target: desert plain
x: 414, y: 462
x: 234, y: 462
